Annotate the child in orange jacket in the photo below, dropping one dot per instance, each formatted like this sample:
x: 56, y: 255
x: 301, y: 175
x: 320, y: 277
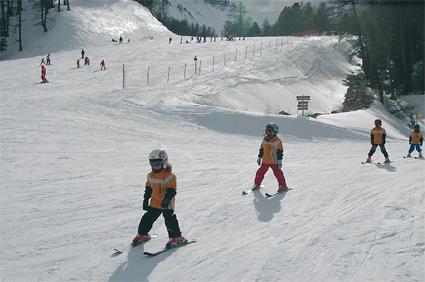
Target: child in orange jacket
x: 378, y: 137
x: 270, y: 156
x: 416, y: 140
x: 160, y: 190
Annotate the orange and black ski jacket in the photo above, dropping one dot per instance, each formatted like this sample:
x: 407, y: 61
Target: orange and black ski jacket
x: 378, y: 136
x: 271, y: 150
x: 416, y: 138
x: 162, y: 184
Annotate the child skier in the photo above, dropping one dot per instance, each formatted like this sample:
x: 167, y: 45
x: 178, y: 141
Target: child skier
x: 415, y: 140
x: 160, y: 189
x: 43, y: 74
x: 270, y: 156
x: 377, y: 138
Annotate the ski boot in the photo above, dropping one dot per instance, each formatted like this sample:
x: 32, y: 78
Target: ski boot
x: 368, y: 160
x: 139, y: 239
x: 256, y: 188
x: 175, y: 242
x: 408, y: 155
x: 282, y: 189
x: 387, y: 160
x: 420, y: 155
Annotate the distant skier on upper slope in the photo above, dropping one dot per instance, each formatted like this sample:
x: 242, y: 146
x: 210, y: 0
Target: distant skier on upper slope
x: 43, y: 74
x: 270, y: 156
x: 378, y: 137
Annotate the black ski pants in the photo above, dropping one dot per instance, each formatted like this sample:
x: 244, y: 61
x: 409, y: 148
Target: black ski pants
x: 152, y: 215
x: 373, y: 149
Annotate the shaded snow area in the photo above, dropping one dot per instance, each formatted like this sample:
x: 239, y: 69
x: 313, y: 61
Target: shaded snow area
x: 74, y: 160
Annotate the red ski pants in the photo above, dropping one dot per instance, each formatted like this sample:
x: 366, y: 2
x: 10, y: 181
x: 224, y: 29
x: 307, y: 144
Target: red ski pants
x: 278, y: 173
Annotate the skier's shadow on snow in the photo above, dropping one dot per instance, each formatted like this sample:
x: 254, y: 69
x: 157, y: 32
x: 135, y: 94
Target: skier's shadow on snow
x: 266, y: 207
x: 138, y: 267
x: 388, y: 167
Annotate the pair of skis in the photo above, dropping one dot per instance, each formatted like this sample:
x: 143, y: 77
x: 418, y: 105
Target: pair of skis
x: 149, y: 254
x: 268, y: 195
x: 378, y: 163
x: 127, y: 248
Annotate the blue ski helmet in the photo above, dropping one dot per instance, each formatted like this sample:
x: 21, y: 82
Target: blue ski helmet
x: 416, y: 126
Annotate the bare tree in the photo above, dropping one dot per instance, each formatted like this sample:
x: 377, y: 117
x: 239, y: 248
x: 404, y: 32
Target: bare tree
x: 19, y: 11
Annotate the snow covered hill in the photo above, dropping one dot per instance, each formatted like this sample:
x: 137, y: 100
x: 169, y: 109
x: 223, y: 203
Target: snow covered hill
x: 89, y: 23
x: 74, y: 163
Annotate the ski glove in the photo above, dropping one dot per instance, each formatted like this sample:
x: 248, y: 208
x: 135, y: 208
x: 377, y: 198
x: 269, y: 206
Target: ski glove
x: 146, y: 197
x: 168, y: 197
x: 165, y: 203
x: 146, y: 206
x: 279, y: 163
x: 259, y: 161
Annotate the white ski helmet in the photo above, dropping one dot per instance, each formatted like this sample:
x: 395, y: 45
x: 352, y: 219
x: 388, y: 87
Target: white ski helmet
x: 158, y: 160
x: 274, y: 127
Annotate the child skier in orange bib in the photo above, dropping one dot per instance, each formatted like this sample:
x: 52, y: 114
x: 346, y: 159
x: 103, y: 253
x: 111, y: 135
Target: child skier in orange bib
x: 378, y: 137
x: 160, y: 190
x: 416, y: 140
x: 270, y: 156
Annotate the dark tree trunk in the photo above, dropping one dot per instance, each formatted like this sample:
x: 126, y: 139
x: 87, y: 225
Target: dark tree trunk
x: 44, y: 11
x: 363, y: 52
x: 404, y: 60
x: 20, y: 23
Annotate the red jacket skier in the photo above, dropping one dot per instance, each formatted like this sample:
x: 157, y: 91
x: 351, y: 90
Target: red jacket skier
x: 43, y: 73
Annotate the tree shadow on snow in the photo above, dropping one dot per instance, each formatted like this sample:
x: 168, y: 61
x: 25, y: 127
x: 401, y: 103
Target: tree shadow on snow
x: 267, y: 207
x: 138, y: 267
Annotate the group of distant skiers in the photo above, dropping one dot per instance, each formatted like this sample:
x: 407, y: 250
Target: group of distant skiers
x: 203, y: 39
x: 87, y: 61
x: 48, y: 62
x: 160, y: 187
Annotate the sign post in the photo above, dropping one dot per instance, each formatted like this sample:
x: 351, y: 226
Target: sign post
x: 303, y: 103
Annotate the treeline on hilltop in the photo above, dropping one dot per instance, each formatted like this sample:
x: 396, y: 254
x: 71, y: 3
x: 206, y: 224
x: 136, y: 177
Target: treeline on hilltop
x: 159, y: 9
x: 388, y: 35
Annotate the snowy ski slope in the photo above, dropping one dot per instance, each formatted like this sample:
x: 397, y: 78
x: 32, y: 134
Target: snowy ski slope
x: 74, y: 162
